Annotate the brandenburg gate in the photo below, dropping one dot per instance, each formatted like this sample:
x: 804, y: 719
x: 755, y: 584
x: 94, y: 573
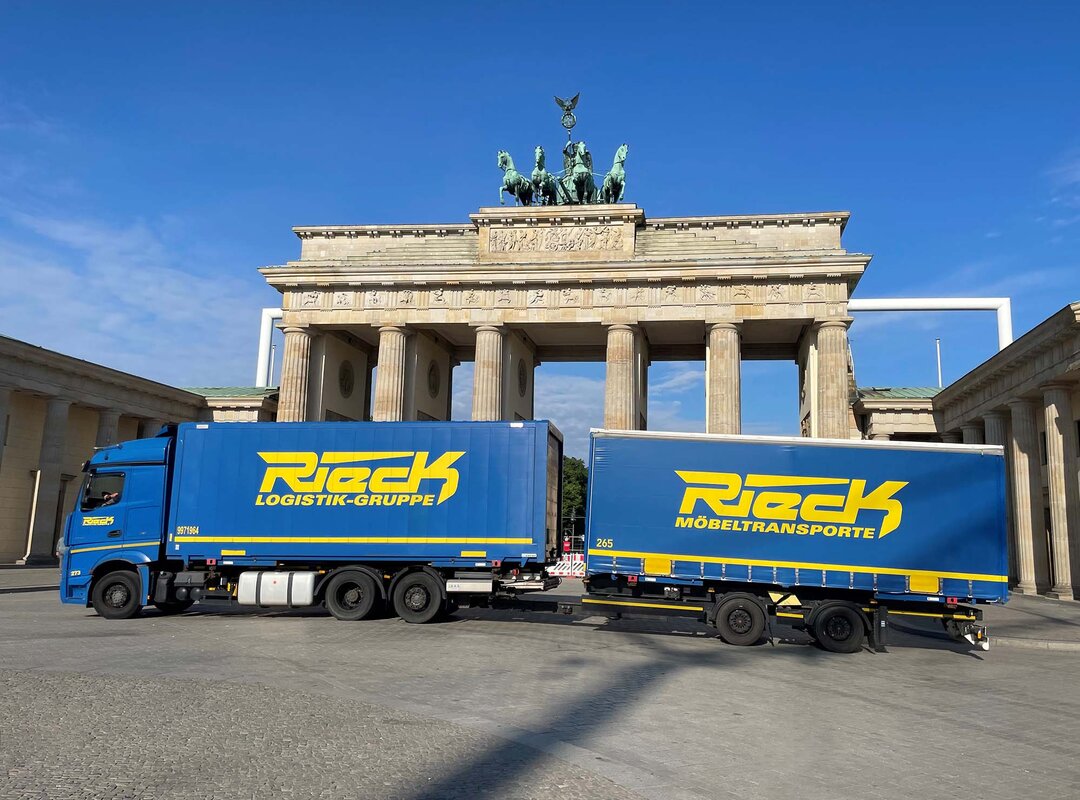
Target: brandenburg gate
x: 563, y: 281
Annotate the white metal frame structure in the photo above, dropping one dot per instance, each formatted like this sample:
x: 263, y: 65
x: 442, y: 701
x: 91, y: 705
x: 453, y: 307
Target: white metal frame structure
x: 1002, y: 305
x: 263, y: 368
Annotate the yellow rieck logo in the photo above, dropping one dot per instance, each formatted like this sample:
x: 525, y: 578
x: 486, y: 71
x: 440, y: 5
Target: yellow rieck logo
x: 356, y: 478
x: 98, y: 520
x: 781, y: 504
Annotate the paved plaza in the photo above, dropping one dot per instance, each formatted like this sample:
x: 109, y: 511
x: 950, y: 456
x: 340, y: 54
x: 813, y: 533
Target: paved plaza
x: 513, y: 705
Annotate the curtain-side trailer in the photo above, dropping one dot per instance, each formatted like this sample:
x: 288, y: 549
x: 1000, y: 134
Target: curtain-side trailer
x: 831, y: 535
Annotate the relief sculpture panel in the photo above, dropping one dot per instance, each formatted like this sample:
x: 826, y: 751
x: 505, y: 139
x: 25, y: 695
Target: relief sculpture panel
x: 557, y: 242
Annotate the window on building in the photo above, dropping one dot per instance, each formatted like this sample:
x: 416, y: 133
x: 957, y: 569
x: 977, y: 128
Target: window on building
x: 102, y: 489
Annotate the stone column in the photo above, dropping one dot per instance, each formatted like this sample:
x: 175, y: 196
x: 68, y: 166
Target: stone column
x: 995, y: 425
x: 832, y: 357
x: 972, y: 433
x: 295, y: 369
x: 390, y: 375
x: 148, y: 428
x: 620, y: 393
x: 879, y: 437
x: 488, y: 374
x: 50, y: 464
x: 108, y: 427
x: 5, y: 410
x: 1061, y: 451
x: 1027, y: 495
x: 951, y: 437
x: 723, y: 389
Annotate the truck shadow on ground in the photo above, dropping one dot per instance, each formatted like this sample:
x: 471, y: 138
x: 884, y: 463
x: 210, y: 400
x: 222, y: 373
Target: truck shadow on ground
x: 909, y: 635
x: 581, y: 719
x: 915, y: 637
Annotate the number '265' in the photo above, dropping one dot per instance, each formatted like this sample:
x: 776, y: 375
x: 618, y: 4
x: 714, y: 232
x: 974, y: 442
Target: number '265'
x: 605, y: 542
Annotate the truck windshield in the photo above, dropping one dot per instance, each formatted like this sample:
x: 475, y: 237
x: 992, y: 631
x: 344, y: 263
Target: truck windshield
x: 102, y: 489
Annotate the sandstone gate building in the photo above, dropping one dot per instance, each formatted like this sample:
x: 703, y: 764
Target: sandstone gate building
x: 517, y: 286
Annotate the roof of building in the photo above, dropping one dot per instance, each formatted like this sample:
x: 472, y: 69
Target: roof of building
x: 233, y: 391
x: 897, y: 392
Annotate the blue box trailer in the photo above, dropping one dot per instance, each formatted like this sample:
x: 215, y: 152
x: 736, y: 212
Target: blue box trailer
x: 417, y: 515
x: 792, y: 524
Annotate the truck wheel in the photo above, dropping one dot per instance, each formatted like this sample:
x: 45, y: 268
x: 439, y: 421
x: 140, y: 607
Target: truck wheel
x: 740, y: 621
x: 351, y: 595
x: 174, y: 606
x: 839, y: 629
x: 116, y: 595
x: 418, y: 598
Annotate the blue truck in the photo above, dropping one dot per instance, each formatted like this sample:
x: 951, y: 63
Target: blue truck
x: 419, y: 518
x: 359, y: 516
x: 830, y: 535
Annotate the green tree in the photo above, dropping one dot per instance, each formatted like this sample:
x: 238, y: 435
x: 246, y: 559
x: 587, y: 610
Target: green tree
x: 574, y: 488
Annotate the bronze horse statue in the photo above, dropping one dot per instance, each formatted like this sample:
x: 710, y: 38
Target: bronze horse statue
x: 578, y: 186
x: 514, y: 182
x: 615, y: 180
x: 545, y: 187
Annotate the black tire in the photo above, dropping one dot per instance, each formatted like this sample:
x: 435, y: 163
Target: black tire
x: 116, y: 595
x: 418, y: 598
x: 174, y: 606
x: 740, y: 621
x: 352, y: 595
x: 839, y: 629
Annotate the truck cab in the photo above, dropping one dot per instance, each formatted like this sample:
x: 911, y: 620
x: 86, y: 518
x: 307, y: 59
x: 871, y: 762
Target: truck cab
x: 116, y: 529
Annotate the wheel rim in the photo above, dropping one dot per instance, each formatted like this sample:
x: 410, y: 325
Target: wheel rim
x: 350, y: 596
x: 838, y: 628
x: 416, y: 598
x: 740, y: 621
x: 117, y: 595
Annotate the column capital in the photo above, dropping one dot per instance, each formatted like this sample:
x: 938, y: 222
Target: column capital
x: 402, y: 329
x: 294, y: 329
x: 1056, y: 385
x: 624, y: 326
x: 1002, y: 415
x: 1020, y: 403
x: 727, y: 325
x: 841, y: 322
x: 495, y: 327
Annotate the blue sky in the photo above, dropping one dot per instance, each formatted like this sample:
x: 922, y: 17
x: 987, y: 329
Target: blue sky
x: 153, y: 155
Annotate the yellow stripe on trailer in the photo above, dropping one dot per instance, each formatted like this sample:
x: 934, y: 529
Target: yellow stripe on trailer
x: 750, y: 562
x: 350, y: 540
x: 639, y: 605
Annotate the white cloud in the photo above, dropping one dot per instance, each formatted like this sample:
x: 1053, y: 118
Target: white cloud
x: 675, y: 378
x: 20, y: 118
x: 575, y: 404
x: 1066, y: 172
x: 121, y: 297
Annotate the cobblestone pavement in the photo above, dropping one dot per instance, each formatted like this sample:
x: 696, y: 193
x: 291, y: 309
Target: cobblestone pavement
x: 512, y: 705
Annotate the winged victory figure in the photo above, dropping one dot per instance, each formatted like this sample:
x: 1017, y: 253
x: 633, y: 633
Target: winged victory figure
x: 567, y: 105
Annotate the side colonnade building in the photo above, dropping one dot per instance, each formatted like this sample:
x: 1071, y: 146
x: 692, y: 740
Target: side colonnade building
x: 1027, y: 399
x: 55, y: 409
